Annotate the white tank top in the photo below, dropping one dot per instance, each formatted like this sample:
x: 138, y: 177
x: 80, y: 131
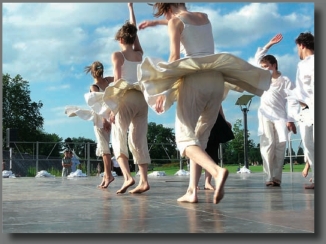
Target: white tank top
x: 196, y: 40
x: 129, y: 70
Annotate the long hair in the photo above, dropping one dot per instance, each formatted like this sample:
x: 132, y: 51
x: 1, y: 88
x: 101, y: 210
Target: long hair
x: 162, y: 8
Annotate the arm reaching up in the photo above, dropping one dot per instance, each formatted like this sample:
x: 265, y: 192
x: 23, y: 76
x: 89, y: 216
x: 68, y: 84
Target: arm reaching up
x: 261, y: 52
x: 132, y: 19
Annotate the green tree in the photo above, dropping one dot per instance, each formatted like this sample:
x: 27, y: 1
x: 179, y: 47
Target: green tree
x: 161, y: 143
x: 234, y: 151
x: 79, y: 145
x: 50, y: 144
x: 18, y: 110
x: 254, y: 154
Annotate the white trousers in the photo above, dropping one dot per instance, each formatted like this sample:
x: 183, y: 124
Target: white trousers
x: 307, y: 137
x: 131, y: 120
x: 199, y: 99
x: 272, y: 151
x: 103, y: 141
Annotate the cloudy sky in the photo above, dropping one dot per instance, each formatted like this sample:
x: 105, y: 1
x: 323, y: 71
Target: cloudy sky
x: 49, y: 44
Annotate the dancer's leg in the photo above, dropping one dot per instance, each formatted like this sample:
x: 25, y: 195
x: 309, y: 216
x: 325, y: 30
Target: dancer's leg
x: 191, y: 193
x: 107, y: 177
x: 143, y: 181
x: 128, y: 180
x: 219, y: 174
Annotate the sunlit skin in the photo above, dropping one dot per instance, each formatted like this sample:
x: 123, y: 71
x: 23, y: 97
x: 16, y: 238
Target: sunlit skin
x: 194, y: 152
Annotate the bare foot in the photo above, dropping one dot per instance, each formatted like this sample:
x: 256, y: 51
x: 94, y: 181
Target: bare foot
x: 190, y: 196
x: 106, y: 182
x: 102, y: 183
x: 140, y: 188
x: 219, y: 183
x: 311, y: 186
x: 208, y: 186
x: 125, y: 185
x: 306, y: 170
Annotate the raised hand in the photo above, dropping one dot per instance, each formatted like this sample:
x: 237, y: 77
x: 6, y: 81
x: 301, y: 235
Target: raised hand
x: 276, y: 39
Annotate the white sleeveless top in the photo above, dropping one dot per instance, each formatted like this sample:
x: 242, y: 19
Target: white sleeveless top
x: 129, y: 70
x: 196, y: 40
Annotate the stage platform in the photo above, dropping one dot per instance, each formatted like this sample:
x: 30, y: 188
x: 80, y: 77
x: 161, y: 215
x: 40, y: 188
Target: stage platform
x: 76, y: 205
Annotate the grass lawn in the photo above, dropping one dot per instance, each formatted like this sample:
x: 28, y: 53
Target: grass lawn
x: 171, y: 169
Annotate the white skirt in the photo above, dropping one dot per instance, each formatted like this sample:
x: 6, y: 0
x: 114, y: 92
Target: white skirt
x: 159, y: 78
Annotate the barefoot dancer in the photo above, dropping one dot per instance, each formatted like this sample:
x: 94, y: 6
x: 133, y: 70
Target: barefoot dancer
x: 102, y: 133
x: 197, y: 84
x: 304, y: 96
x: 128, y: 106
x: 99, y: 115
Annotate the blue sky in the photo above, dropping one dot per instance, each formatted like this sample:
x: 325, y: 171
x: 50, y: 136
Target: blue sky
x: 49, y: 44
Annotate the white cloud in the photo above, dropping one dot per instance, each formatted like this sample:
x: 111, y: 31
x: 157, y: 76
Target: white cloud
x: 51, y: 43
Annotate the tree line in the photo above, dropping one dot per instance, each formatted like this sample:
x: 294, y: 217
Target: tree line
x: 23, y: 114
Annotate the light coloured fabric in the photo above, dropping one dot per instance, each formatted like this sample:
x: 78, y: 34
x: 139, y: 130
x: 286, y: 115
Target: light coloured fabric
x: 304, y: 92
x: 197, y: 113
x: 131, y: 118
x: 203, y: 35
x: 159, y: 78
x: 273, y: 114
x: 199, y: 82
x: 273, y: 106
x: 85, y: 114
x: 273, y: 103
x: 127, y: 102
x: 272, y: 151
x: 307, y: 136
x: 103, y: 141
x: 129, y: 70
x: 304, y: 89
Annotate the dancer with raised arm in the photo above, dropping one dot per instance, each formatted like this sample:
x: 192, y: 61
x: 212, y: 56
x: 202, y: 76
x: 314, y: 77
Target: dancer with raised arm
x: 199, y: 82
x: 129, y: 110
x: 274, y: 118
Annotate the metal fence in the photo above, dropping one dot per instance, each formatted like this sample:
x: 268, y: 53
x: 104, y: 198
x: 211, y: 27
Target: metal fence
x: 37, y: 158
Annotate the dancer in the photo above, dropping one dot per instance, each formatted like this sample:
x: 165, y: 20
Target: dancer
x: 99, y: 114
x: 274, y: 120
x: 129, y: 109
x: 102, y: 134
x: 198, y: 84
x: 303, y: 94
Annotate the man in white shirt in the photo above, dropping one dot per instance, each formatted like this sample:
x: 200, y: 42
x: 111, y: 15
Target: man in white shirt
x: 303, y: 94
x: 274, y: 121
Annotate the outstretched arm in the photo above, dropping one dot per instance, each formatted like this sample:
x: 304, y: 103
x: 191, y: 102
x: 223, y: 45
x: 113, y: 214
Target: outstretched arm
x: 132, y: 19
x: 151, y: 23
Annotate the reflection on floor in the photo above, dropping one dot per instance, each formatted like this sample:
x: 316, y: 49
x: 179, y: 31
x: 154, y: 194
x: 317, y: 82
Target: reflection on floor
x: 58, y: 205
